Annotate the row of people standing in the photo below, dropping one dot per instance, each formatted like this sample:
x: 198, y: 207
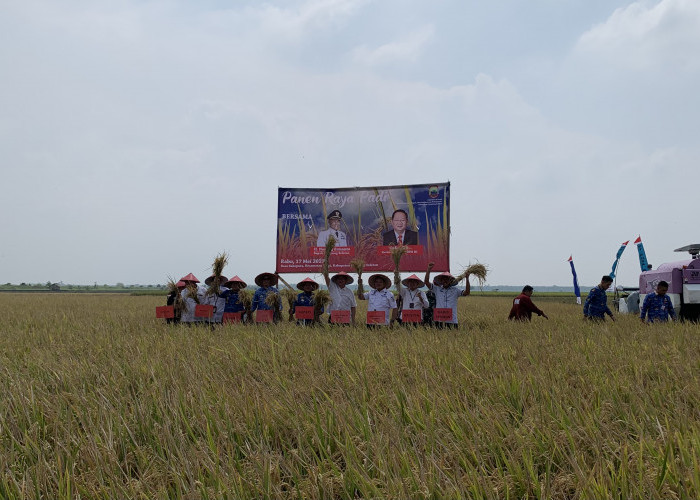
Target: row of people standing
x: 224, y: 295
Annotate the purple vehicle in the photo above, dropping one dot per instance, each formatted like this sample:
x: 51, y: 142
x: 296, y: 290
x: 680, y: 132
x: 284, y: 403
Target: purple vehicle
x: 683, y: 283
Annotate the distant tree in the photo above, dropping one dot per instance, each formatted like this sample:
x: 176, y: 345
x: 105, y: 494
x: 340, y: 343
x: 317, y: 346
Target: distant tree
x: 120, y: 285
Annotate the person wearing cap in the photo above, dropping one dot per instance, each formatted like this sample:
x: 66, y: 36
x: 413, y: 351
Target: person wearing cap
x: 191, y: 296
x: 342, y: 298
x: 266, y: 282
x: 170, y: 301
x: 305, y: 298
x: 446, y: 294
x: 412, y: 298
x: 399, y: 235
x: 523, y: 307
x: 379, y: 298
x: 334, y: 219
x: 212, y: 298
x: 230, y: 296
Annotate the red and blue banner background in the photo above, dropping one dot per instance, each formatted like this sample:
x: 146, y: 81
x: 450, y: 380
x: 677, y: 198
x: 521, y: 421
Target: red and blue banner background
x: 366, y: 223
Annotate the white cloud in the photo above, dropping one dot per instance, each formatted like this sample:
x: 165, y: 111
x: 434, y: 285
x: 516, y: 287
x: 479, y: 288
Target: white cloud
x: 408, y: 49
x: 643, y: 36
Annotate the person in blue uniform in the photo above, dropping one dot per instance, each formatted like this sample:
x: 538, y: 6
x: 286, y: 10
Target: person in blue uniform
x: 596, y: 306
x: 305, y: 298
x: 657, y: 306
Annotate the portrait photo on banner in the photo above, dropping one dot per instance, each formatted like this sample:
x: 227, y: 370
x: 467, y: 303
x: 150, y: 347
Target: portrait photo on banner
x: 365, y: 223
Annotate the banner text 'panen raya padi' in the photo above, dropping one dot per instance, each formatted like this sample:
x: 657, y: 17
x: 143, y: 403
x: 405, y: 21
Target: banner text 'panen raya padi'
x: 365, y: 222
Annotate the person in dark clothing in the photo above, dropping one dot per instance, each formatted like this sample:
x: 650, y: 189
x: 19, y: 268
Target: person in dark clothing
x: 523, y: 307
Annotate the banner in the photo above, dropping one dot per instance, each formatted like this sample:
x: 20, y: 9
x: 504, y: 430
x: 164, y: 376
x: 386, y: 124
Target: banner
x: 365, y: 223
x: 577, y: 290
x: 643, y: 264
x: 617, y: 258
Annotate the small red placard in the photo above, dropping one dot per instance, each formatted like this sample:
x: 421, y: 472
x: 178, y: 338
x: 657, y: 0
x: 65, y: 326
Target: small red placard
x: 232, y: 317
x: 264, y: 316
x: 304, y: 312
x: 342, y: 317
x: 411, y: 316
x: 376, y: 317
x: 165, y: 312
x: 203, y: 311
x: 442, y: 314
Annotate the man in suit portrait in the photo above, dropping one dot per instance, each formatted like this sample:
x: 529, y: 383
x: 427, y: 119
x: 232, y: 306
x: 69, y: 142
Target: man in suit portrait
x: 399, y: 235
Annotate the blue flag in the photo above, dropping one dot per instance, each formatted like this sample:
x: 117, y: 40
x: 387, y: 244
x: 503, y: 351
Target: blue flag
x: 617, y: 258
x: 577, y: 290
x: 643, y: 264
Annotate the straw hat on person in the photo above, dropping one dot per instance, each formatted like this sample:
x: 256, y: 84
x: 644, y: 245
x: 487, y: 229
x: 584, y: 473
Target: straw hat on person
x: 190, y: 278
x: 348, y: 279
x: 261, y: 276
x: 222, y: 279
x: 412, y: 277
x: 303, y: 282
x: 443, y: 279
x: 235, y: 279
x: 375, y: 277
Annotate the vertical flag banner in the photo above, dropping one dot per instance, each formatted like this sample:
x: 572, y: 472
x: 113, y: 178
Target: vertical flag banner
x: 643, y: 264
x: 360, y: 220
x: 577, y: 290
x: 617, y: 258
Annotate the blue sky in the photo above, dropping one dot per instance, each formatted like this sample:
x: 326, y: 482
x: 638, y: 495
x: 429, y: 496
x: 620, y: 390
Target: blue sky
x: 138, y: 139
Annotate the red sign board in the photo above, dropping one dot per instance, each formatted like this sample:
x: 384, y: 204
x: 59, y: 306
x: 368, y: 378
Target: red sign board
x: 304, y: 312
x: 376, y: 317
x: 232, y: 317
x: 442, y: 314
x: 411, y: 316
x: 165, y: 312
x: 342, y: 317
x: 203, y: 311
x: 264, y: 316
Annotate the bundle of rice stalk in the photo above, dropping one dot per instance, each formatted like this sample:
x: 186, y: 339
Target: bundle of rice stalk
x: 217, y: 268
x: 290, y: 297
x: 321, y: 299
x: 178, y: 303
x: 358, y: 264
x: 330, y: 245
x: 192, y: 292
x: 396, y: 253
x: 479, y: 271
x: 245, y: 298
x: 273, y: 300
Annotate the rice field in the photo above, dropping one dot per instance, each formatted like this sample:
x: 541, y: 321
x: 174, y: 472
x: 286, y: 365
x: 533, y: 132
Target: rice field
x: 99, y: 399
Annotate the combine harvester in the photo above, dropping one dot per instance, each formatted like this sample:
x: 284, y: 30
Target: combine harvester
x: 683, y: 279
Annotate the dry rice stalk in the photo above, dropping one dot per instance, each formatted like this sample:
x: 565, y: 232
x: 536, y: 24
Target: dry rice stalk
x: 178, y: 303
x: 245, y: 297
x: 396, y: 253
x: 357, y: 265
x: 217, y: 268
x: 321, y: 299
x: 192, y: 292
x: 291, y: 297
x: 272, y: 299
x: 330, y: 245
x: 479, y: 271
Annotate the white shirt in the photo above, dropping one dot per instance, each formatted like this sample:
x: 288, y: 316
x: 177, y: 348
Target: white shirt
x: 340, y: 238
x: 342, y: 299
x: 447, y: 298
x: 381, y: 301
x: 219, y: 304
x: 412, y: 300
x: 190, y: 304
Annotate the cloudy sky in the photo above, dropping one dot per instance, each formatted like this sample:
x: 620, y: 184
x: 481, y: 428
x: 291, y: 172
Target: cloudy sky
x: 140, y: 138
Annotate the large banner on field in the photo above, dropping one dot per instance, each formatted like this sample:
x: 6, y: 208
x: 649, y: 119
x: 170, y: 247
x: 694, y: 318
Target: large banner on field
x: 366, y: 222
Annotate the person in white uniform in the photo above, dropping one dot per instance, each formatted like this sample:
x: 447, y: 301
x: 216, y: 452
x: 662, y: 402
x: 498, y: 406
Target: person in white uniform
x: 380, y: 298
x: 446, y: 294
x: 334, y: 219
